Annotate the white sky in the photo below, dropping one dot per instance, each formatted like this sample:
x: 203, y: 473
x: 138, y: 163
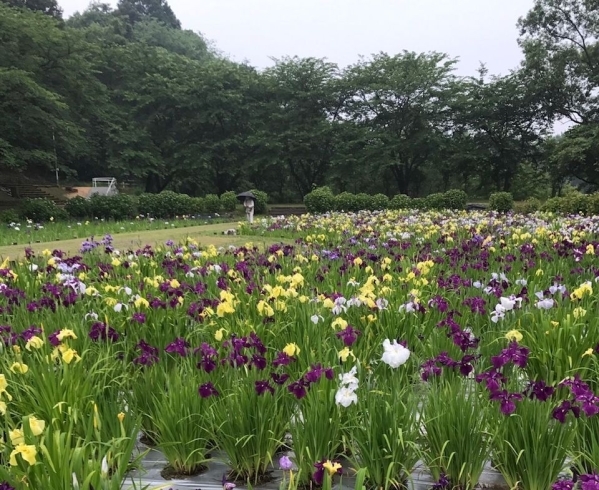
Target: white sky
x: 341, y: 30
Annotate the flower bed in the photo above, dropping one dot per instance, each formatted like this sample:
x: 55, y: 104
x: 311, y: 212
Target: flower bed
x: 377, y: 347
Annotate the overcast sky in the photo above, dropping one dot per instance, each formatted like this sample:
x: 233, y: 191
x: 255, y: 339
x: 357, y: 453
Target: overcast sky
x: 341, y: 30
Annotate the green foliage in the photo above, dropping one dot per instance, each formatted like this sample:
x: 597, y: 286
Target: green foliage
x: 9, y: 216
x: 531, y: 205
x: 575, y: 203
x: 48, y: 7
x: 400, y: 201
x: 456, y: 437
x: 149, y: 204
x: 386, y: 434
x: 185, y: 43
x: 197, y: 205
x: 345, y: 201
x: 593, y: 204
x: 393, y: 99
x: 212, y: 204
x: 117, y: 207
x: 501, y: 201
x: 173, y: 204
x: 553, y: 205
x: 379, y: 202
x: 320, y: 200
x: 228, y: 201
x: 418, y: 203
x: 78, y: 207
x: 139, y: 10
x: 455, y: 199
x: 434, y: 201
x: 261, y: 201
x: 363, y: 201
x: 167, y: 204
x: 559, y: 39
x: 303, y: 122
x: 40, y: 210
x: 128, y: 92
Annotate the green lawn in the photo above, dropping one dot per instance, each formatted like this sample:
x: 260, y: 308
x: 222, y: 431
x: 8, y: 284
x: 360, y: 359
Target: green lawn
x: 204, y: 234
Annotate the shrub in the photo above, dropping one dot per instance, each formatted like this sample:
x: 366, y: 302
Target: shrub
x: 197, y: 206
x: 149, y: 204
x: 455, y: 199
x: 320, y: 200
x: 261, y: 201
x: 9, y: 216
x: 228, y: 201
x: 553, y: 205
x: 593, y: 204
x: 78, y: 207
x: 501, y: 201
x: 346, y: 201
x: 435, y: 201
x: 379, y: 202
x: 119, y: 207
x: 363, y: 201
x: 212, y: 204
x: 575, y: 202
x: 172, y: 204
x: 400, y: 201
x: 417, y: 203
x: 124, y: 206
x: 531, y: 205
x: 41, y: 209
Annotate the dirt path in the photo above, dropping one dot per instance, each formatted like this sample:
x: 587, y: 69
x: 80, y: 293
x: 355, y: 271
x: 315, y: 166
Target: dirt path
x: 203, y: 234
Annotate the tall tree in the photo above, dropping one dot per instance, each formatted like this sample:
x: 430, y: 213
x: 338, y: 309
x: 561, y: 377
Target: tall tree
x: 560, y: 41
x: 48, y: 7
x: 305, y: 124
x: 138, y: 10
x: 576, y: 154
x: 51, y: 64
x: 506, y: 122
x: 402, y: 101
x: 34, y: 122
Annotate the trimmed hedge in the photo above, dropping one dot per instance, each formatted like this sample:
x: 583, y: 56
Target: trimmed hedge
x: 166, y: 204
x: 573, y: 203
x: 228, y: 201
x: 41, y: 209
x: 261, y: 201
x: 322, y: 200
x: 400, y: 201
x: 118, y: 207
x: 501, y: 201
x: 455, y: 199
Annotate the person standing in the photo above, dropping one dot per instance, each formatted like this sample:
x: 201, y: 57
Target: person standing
x: 248, y: 204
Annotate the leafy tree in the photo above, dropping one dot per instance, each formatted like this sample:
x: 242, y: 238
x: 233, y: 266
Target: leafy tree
x: 507, y: 125
x: 184, y: 42
x: 401, y: 100
x: 32, y: 121
x: 305, y: 125
x: 576, y: 154
x: 47, y: 73
x: 48, y: 7
x: 222, y: 112
x: 560, y: 42
x: 138, y: 10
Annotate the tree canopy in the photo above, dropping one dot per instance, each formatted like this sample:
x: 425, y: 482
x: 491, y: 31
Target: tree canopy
x: 126, y: 91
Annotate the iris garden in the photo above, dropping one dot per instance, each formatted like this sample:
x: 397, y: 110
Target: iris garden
x: 363, y: 346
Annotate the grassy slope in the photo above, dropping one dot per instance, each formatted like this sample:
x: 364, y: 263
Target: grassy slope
x: 205, y: 235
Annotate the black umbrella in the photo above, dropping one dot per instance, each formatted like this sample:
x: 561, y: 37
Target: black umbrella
x: 245, y: 195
